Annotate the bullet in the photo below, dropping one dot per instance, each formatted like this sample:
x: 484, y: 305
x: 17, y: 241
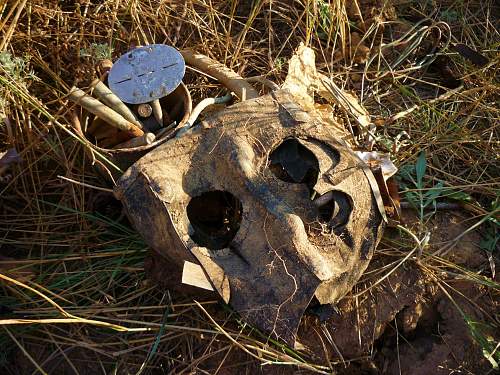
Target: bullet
x: 144, y: 140
x: 103, y: 112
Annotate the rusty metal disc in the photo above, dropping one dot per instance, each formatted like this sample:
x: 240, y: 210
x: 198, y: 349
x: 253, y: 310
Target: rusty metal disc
x: 146, y: 73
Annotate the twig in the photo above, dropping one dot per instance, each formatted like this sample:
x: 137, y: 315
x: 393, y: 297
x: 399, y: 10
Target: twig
x: 266, y: 82
x: 12, y: 27
x: 68, y: 318
x: 86, y: 185
x: 439, y: 206
x: 420, y: 246
x: 446, y: 248
x: 242, y: 347
x: 406, y: 112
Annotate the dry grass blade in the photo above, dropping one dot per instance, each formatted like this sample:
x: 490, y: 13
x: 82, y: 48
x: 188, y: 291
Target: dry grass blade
x: 24, y: 351
x: 75, y: 296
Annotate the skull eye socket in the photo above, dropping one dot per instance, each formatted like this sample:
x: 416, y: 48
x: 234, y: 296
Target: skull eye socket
x: 334, y: 209
x: 293, y: 162
x: 215, y: 217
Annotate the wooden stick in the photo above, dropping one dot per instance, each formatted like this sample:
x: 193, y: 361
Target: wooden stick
x: 102, y: 111
x: 111, y: 100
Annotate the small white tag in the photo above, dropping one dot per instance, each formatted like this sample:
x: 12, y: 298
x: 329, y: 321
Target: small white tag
x: 192, y: 274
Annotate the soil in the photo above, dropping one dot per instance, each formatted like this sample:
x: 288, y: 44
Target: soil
x: 405, y: 325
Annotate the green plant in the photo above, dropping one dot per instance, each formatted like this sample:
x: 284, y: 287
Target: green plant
x: 450, y: 15
x: 97, y: 51
x: 279, y: 63
x: 324, y: 18
x: 416, y: 192
x: 14, y: 69
x: 491, y: 235
x: 479, y: 332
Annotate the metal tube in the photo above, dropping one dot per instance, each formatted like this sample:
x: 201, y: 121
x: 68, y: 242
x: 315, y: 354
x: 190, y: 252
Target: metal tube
x: 102, y: 111
x: 146, y: 139
x: 111, y: 100
x: 157, y: 111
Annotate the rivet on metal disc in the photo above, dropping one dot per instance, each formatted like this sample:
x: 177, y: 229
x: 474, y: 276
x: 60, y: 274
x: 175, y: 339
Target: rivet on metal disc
x: 144, y: 110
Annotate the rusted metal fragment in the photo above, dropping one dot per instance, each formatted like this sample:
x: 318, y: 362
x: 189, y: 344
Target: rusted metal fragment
x: 221, y: 197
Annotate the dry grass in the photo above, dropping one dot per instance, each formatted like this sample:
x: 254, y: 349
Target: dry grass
x: 74, y: 270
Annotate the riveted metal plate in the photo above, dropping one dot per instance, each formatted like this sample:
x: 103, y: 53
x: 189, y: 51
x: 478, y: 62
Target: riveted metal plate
x: 146, y: 73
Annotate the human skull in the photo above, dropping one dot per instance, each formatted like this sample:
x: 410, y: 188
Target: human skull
x: 271, y: 203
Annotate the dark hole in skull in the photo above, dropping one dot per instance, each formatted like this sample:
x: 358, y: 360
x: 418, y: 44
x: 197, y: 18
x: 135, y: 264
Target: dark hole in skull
x: 292, y: 162
x: 215, y: 217
x: 334, y: 208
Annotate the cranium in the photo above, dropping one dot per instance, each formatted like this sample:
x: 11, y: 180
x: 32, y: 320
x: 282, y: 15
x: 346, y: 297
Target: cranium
x: 268, y: 199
